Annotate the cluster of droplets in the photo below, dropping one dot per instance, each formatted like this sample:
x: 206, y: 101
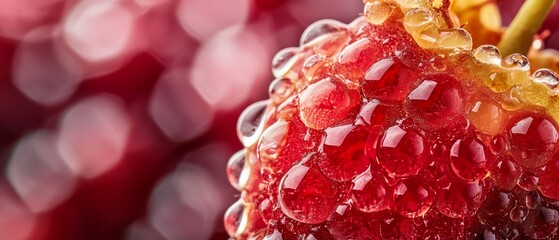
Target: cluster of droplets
x: 375, y: 130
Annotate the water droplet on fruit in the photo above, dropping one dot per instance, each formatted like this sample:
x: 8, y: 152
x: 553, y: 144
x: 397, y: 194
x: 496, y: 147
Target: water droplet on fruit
x: 460, y: 199
x: 327, y: 102
x: 549, y: 179
x: 436, y: 102
x: 377, y: 11
x: 402, y: 152
x: 497, y: 205
x: 283, y: 62
x: 518, y: 213
x: 418, y: 18
x: 455, y: 38
x: 235, y: 220
x: 238, y: 171
x: 541, y: 223
x: 533, y: 140
x: 488, y: 54
x: 344, y: 156
x: 505, y: 173
x: 469, y: 159
x: 517, y: 61
x: 533, y: 200
x: 325, y: 36
x: 312, y: 65
x: 388, y: 80
x: 306, y: 195
x: 370, y: 192
x: 412, y: 198
x: 430, y: 34
x: 373, y: 113
x: 280, y: 89
x: 488, y: 117
x: 271, y: 143
x: 251, y: 123
x: 528, y: 181
x: 546, y: 77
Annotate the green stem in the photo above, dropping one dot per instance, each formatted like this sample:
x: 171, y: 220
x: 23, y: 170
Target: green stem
x: 520, y: 34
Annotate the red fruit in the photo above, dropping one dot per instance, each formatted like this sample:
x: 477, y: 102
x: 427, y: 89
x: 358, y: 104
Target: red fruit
x: 394, y: 128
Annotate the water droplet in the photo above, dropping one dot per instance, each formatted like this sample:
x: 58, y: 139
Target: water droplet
x: 549, y: 179
x: 533, y: 200
x: 283, y: 62
x: 497, y: 205
x: 460, y: 199
x: 488, y: 54
x: 469, y: 159
x: 412, y: 198
x: 312, y: 65
x: 402, y: 152
x: 344, y: 156
x: 505, y: 173
x: 430, y: 34
x: 455, y: 38
x: 547, y: 77
x: 541, y: 223
x: 325, y: 36
x: 528, y: 181
x: 418, y: 19
x: 306, y: 195
x: 280, y: 89
x: 377, y: 11
x: 238, y: 171
x: 518, y: 213
x: 235, y: 220
x: 271, y: 143
x: 370, y: 192
x: 251, y: 123
x: 517, y: 61
x: 533, y: 139
x: 327, y: 102
x: 488, y: 117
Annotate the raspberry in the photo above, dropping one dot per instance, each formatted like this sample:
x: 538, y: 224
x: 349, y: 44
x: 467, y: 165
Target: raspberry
x: 394, y: 127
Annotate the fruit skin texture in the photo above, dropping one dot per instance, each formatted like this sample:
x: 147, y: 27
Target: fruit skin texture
x: 393, y: 127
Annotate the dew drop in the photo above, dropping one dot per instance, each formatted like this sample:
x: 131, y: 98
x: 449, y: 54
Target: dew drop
x: 547, y: 77
x: 455, y: 38
x: 518, y: 213
x: 325, y: 36
x: 306, y: 195
x: 517, y: 61
x: 280, y: 89
x: 284, y: 61
x: 370, y: 192
x: 327, y: 102
x: 488, y: 54
x: 469, y: 159
x: 533, y: 140
x: 312, y: 65
x: 271, y: 143
x: 235, y: 220
x: 418, y: 18
x: 251, y: 123
x: 402, y: 152
x: 238, y: 171
x: 412, y: 198
x: 377, y: 11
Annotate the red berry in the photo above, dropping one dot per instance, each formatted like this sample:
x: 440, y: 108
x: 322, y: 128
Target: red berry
x: 391, y: 128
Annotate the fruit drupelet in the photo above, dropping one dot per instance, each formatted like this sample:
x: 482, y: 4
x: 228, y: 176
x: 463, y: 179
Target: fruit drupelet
x: 395, y: 127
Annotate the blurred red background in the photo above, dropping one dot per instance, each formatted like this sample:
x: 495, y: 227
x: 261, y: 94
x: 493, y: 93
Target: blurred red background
x: 117, y: 117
